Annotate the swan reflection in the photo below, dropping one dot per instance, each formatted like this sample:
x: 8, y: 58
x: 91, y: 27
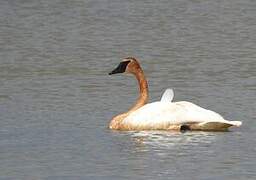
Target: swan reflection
x: 175, y: 143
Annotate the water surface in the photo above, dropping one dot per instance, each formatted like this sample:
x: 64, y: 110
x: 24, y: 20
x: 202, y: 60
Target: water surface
x: 56, y: 98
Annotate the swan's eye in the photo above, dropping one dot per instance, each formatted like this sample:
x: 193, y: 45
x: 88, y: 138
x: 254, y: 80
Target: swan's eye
x: 120, y: 68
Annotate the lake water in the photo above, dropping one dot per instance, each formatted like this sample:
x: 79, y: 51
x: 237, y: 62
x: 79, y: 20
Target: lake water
x: 56, y: 98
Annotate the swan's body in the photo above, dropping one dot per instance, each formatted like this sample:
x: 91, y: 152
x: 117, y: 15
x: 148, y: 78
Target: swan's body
x: 171, y: 115
x: 165, y: 114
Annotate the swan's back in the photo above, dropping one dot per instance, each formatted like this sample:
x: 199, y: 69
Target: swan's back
x: 161, y: 115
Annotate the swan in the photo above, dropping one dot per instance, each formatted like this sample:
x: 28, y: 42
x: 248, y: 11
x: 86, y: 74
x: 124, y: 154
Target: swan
x: 164, y: 114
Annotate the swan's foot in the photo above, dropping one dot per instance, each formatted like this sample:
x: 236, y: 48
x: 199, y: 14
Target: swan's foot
x: 184, y: 128
x: 181, y: 128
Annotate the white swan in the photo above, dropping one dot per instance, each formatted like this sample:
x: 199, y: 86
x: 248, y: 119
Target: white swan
x: 164, y: 114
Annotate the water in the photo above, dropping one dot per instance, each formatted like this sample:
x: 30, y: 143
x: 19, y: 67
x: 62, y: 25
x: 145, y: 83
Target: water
x: 56, y: 98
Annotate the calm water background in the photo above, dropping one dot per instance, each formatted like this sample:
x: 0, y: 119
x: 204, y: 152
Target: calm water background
x: 56, y: 98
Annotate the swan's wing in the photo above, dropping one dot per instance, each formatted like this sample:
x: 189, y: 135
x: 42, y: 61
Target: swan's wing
x: 174, y: 113
x: 167, y: 96
x: 156, y: 115
x: 159, y: 115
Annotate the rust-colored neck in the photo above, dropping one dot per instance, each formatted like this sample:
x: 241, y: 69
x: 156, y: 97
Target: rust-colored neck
x: 143, y: 88
x: 116, y: 122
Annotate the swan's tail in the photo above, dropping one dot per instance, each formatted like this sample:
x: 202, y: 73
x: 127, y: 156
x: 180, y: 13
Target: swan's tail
x: 235, y: 123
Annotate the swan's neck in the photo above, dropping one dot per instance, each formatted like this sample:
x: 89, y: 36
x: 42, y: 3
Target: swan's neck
x: 116, y: 122
x: 143, y: 88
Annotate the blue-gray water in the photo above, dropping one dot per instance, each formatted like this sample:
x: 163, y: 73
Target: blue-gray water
x: 56, y: 98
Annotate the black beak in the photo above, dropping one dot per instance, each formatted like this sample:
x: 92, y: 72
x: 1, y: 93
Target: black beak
x: 120, y: 68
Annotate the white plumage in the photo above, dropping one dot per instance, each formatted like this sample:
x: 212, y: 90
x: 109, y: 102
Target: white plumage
x: 167, y: 96
x: 166, y: 113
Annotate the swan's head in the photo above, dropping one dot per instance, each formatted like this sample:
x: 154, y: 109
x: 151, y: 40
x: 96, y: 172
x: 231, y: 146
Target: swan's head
x: 128, y: 65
